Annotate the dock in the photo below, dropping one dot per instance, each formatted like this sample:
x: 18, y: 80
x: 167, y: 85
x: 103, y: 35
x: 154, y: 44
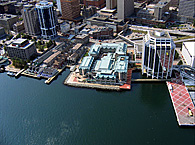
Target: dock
x: 127, y: 85
x: 150, y: 80
x: 73, y: 82
x: 18, y: 73
x: 182, y: 103
x: 49, y: 80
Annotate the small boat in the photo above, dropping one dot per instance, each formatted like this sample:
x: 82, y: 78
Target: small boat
x: 10, y: 74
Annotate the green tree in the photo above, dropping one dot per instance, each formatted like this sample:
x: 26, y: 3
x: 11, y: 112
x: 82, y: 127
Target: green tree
x: 176, y: 55
x: 180, y: 62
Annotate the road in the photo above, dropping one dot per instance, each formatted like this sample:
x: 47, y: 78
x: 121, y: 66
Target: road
x: 145, y: 28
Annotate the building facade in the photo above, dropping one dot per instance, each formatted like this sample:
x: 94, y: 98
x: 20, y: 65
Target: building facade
x: 125, y: 8
x: 70, y: 9
x: 46, y: 19
x: 7, y: 21
x: 158, y: 55
x: 18, y: 27
x: 21, y: 48
x: 188, y: 52
x: 59, y: 6
x: 31, y: 21
x: 97, y: 3
x: 186, y: 10
x: 111, y: 4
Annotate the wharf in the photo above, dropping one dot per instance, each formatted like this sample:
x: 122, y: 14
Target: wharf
x: 150, y: 80
x: 18, y: 74
x: 30, y: 75
x: 127, y: 86
x: 49, y: 80
x: 72, y: 81
x: 182, y: 103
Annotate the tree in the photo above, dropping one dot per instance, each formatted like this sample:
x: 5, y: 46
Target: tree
x: 180, y: 62
x: 176, y: 55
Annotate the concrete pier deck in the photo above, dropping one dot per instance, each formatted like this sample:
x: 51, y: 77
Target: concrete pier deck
x: 182, y: 103
x: 150, y: 80
x: 71, y: 80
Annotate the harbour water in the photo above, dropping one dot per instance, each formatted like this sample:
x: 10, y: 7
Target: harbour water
x: 34, y: 113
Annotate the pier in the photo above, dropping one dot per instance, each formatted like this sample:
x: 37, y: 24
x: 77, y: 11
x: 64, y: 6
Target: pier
x: 49, y: 80
x: 182, y: 103
x: 150, y: 80
x: 18, y: 74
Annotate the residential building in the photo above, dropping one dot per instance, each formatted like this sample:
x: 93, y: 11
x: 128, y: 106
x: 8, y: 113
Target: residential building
x: 187, y: 10
x: 158, y: 55
x: 188, y: 52
x: 21, y: 48
x: 125, y: 8
x: 97, y: 3
x: 19, y: 27
x: 70, y: 9
x: 31, y: 21
x: 7, y: 21
x: 47, y: 19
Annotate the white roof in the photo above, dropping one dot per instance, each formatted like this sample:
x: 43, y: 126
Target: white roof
x: 191, y: 47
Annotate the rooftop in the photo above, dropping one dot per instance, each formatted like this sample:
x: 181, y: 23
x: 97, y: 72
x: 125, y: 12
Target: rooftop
x: 191, y: 47
x: 159, y: 34
x: 86, y: 62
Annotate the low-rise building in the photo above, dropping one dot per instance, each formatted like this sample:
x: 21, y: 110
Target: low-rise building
x: 83, y: 38
x: 7, y: 21
x: 106, y: 64
x: 19, y: 27
x: 2, y: 32
x: 21, y: 48
x: 188, y: 52
x: 50, y: 60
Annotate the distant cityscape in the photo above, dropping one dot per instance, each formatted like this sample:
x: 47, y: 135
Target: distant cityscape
x: 103, y: 42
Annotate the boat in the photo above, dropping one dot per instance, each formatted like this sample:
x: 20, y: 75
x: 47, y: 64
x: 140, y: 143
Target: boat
x: 10, y: 74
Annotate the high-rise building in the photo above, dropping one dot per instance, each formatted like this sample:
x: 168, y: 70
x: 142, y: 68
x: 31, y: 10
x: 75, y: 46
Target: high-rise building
x: 125, y: 8
x: 111, y: 4
x: 70, y: 9
x: 158, y: 55
x: 31, y: 21
x: 46, y: 19
x: 59, y: 6
x: 187, y: 9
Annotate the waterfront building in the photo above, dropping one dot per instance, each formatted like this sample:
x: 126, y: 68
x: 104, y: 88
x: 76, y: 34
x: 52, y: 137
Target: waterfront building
x: 7, y: 21
x: 107, y: 63
x: 188, y: 52
x: 70, y: 9
x: 158, y: 55
x: 21, y: 48
x: 46, y: 19
x: 31, y: 21
x: 125, y: 8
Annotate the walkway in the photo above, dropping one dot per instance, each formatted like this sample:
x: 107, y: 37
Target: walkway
x: 182, y: 102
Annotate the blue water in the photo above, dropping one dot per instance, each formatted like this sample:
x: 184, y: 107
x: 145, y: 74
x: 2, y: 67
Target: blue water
x: 33, y: 113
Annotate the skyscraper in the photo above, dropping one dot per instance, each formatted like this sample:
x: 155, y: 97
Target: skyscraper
x: 158, y: 55
x: 31, y: 22
x: 59, y: 5
x: 125, y: 8
x: 111, y: 4
x: 187, y: 9
x: 46, y: 19
x: 70, y: 9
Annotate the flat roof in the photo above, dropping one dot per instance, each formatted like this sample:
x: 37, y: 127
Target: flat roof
x: 86, y: 62
x: 121, y: 64
x: 159, y: 34
x: 105, y: 63
x: 19, y: 41
x: 191, y: 47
